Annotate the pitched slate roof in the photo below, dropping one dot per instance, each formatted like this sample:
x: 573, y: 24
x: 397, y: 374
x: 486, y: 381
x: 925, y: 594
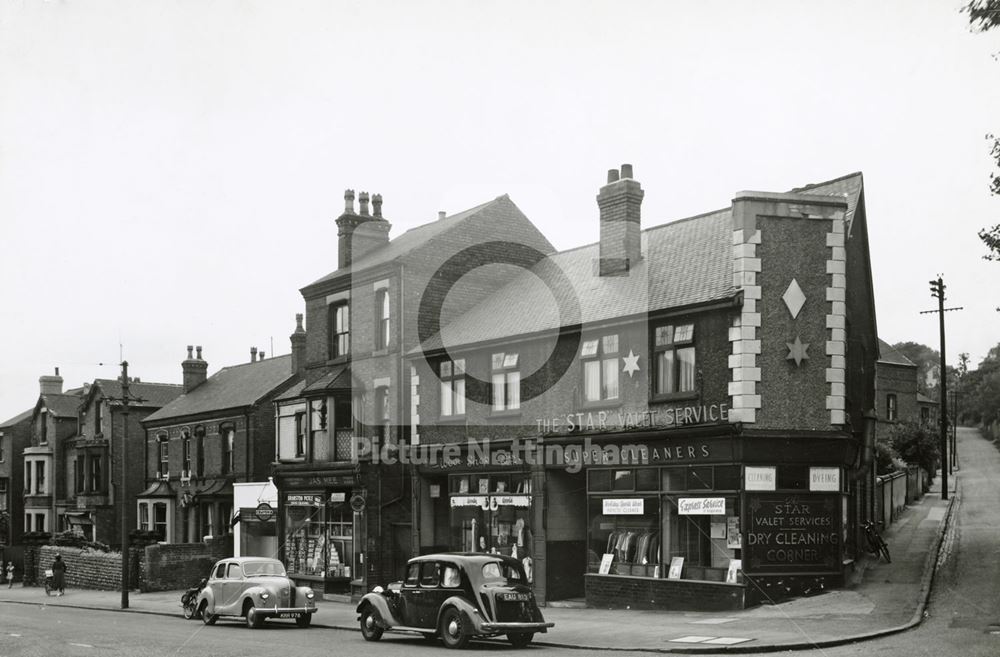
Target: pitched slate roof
x: 230, y: 387
x: 20, y: 417
x: 154, y: 395
x: 62, y: 405
x: 888, y: 354
x: 500, y: 210
x: 686, y: 262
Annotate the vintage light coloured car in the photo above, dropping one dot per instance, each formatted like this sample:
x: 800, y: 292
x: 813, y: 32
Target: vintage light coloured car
x: 254, y: 589
x: 457, y: 597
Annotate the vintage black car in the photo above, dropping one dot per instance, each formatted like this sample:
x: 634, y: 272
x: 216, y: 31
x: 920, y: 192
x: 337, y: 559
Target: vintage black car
x: 456, y: 597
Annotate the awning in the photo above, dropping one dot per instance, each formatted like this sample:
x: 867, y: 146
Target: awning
x: 339, y: 379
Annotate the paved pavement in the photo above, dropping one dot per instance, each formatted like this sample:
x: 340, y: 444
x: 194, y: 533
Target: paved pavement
x: 881, y: 599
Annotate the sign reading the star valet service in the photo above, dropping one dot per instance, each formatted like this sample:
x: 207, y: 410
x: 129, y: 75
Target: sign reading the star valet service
x: 653, y: 417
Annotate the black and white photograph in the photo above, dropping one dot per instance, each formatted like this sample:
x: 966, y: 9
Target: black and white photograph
x: 395, y: 327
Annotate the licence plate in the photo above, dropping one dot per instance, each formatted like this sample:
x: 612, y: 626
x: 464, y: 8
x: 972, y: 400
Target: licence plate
x: 515, y: 597
x: 289, y: 614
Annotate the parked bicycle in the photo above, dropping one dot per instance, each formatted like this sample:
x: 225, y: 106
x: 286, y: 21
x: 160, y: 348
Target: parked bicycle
x: 50, y: 585
x: 876, y: 544
x: 190, y: 597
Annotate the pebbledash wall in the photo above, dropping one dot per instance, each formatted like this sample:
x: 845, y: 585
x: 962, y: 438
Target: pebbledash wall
x: 157, y: 567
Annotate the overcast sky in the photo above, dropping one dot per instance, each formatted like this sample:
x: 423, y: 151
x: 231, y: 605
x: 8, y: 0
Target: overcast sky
x: 170, y: 172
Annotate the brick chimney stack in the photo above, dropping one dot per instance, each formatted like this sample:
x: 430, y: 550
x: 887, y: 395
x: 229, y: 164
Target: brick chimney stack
x: 50, y: 384
x: 359, y: 233
x: 298, y: 339
x: 195, y: 370
x: 621, y: 241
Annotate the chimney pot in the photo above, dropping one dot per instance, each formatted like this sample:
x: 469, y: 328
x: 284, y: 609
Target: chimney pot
x: 190, y: 352
x: 363, y: 202
x: 57, y: 371
x: 253, y: 354
x: 612, y: 175
x: 298, y: 323
x: 377, y: 206
x: 262, y: 355
x: 348, y: 201
x: 441, y: 215
x: 198, y: 351
x: 626, y: 171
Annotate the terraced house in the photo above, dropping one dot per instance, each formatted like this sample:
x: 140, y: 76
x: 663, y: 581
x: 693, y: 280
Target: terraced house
x: 675, y: 417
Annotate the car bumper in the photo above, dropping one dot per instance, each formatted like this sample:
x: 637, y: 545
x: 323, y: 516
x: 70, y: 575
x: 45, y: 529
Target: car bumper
x: 284, y: 612
x: 500, y: 628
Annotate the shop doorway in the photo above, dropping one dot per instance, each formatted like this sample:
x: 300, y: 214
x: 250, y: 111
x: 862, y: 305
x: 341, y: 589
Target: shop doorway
x: 402, y: 535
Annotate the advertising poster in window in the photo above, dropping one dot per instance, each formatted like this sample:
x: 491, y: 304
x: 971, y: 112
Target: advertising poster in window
x: 790, y: 533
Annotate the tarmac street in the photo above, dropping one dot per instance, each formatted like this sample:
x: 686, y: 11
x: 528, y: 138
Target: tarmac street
x: 883, y: 604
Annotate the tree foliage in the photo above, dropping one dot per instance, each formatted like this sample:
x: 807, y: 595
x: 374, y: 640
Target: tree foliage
x: 983, y: 14
x: 979, y: 391
x: 923, y: 357
x: 917, y: 444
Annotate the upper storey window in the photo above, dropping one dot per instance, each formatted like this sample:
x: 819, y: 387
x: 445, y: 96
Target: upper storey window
x: 452, y: 374
x: 382, y: 321
x: 339, y: 330
x: 674, y: 359
x: 600, y: 368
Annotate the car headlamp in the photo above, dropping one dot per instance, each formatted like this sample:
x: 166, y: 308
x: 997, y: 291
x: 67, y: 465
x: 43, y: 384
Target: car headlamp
x: 264, y: 595
x: 310, y: 595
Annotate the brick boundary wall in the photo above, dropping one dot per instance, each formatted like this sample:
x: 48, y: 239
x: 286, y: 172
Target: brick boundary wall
x: 157, y: 567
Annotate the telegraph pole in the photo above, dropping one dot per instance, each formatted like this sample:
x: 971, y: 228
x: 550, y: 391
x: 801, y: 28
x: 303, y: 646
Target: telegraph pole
x: 937, y: 290
x: 121, y: 492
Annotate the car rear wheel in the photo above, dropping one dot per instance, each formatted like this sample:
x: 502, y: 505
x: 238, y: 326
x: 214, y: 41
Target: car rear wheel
x: 453, y: 629
x: 206, y: 618
x: 254, y: 619
x: 304, y: 620
x: 369, y: 624
x: 520, y: 639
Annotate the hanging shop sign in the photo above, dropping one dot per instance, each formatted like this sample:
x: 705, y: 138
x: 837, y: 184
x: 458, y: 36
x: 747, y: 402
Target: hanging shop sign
x: 264, y: 512
x: 824, y: 479
x: 760, y: 478
x: 623, y: 507
x: 357, y: 503
x: 701, y: 506
x: 792, y: 533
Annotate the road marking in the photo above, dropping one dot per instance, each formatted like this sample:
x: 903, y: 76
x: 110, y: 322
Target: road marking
x: 728, y: 640
x: 713, y: 621
x: 12, y: 634
x: 692, y: 639
x: 82, y: 645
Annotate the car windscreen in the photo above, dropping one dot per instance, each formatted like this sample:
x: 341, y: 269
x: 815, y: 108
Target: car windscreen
x: 498, y: 572
x: 253, y: 568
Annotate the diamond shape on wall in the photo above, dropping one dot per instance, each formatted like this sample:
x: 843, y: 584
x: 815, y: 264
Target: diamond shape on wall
x: 794, y: 298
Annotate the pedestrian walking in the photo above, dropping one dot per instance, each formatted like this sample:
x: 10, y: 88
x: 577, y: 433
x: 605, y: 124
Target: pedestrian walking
x: 59, y: 575
x: 10, y: 574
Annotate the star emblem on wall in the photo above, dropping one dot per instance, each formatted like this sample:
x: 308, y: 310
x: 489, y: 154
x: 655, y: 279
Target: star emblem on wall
x: 631, y: 363
x: 797, y: 351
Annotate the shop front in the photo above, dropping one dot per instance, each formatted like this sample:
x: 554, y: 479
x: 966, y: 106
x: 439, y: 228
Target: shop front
x: 321, y: 524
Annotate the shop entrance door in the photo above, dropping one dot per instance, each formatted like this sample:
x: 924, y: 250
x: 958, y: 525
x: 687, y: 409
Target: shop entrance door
x: 402, y: 535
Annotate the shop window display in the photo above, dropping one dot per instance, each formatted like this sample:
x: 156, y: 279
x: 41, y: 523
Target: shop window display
x: 492, y: 514
x: 319, y: 540
x: 644, y: 519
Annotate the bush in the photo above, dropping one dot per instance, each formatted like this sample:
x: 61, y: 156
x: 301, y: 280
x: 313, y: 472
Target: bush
x: 916, y: 444
x: 887, y: 460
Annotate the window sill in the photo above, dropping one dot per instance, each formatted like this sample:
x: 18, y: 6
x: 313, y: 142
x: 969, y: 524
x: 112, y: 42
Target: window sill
x: 674, y: 396
x: 384, y: 351
x: 339, y: 360
x: 509, y: 413
x: 603, y: 404
x: 451, y: 419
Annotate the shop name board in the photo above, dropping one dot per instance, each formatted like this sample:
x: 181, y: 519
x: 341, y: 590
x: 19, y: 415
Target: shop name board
x: 701, y: 506
x: 623, y: 507
x: 319, y: 480
x: 298, y: 499
x: 491, y: 501
x: 760, y: 478
x: 654, y: 417
x: 789, y: 533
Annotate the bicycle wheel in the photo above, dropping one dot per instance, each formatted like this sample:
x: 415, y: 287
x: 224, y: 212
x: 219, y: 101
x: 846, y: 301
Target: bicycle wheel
x: 884, y: 549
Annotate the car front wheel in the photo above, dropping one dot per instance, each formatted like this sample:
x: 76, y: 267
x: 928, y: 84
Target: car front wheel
x: 206, y: 618
x: 369, y: 625
x: 453, y: 629
x: 520, y: 639
x: 254, y: 619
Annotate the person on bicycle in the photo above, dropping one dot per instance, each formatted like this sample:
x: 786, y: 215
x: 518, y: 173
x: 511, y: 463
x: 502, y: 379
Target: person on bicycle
x: 59, y: 575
